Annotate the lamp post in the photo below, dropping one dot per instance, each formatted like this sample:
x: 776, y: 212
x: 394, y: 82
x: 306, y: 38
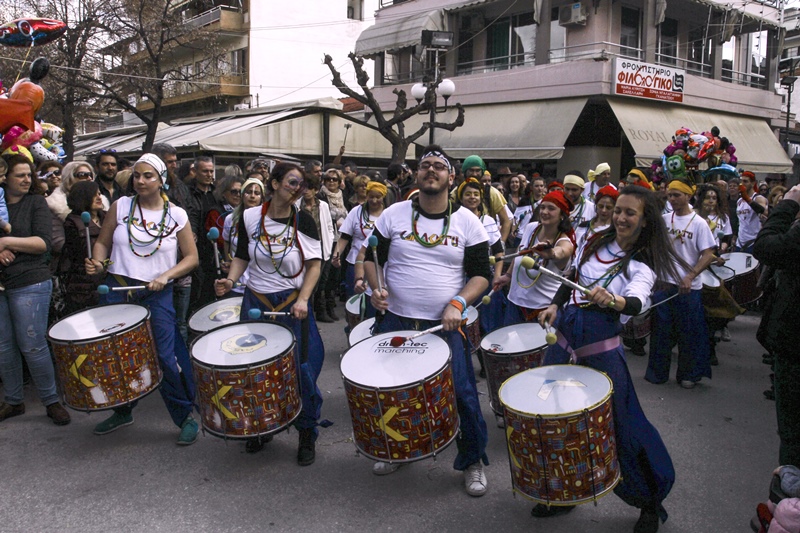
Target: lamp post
x: 788, y: 83
x: 430, y: 91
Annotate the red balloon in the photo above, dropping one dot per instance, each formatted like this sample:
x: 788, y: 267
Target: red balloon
x: 36, y: 31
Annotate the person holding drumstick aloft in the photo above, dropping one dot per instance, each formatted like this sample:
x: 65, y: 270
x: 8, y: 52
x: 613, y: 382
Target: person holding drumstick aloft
x: 279, y: 247
x: 619, y: 266
x: 436, y: 258
x: 144, y: 234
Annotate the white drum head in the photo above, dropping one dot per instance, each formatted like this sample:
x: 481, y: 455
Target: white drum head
x: 555, y: 390
x: 242, y: 344
x: 216, y: 314
x: 472, y: 315
x: 353, y: 305
x: 709, y: 279
x: 361, y: 331
x: 97, y: 322
x: 741, y: 263
x: 519, y: 338
x: 374, y: 363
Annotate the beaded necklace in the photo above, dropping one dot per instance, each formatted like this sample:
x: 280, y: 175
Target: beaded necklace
x: 579, y: 215
x: 680, y: 234
x: 617, y: 263
x: 291, y: 238
x: 544, y: 263
x: 133, y: 241
x: 363, y: 220
x: 445, y: 225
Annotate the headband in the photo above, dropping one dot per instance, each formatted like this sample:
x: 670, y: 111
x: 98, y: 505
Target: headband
x: 571, y: 179
x: 253, y: 181
x: 377, y: 186
x: 440, y: 155
x: 638, y: 173
x: 467, y: 182
x: 602, y: 167
x: 608, y: 191
x: 678, y: 185
x: 560, y: 200
x: 154, y: 161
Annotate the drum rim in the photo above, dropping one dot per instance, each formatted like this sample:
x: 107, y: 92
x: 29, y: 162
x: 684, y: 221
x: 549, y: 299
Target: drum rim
x: 559, y: 415
x: 353, y: 329
x: 428, y: 455
x: 91, y: 340
x: 728, y: 255
x: 110, y: 407
x: 200, y: 332
x: 395, y: 387
x: 589, y: 499
x: 510, y: 354
x: 194, y: 360
x: 252, y: 435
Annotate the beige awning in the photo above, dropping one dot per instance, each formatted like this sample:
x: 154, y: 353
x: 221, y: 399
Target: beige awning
x: 518, y: 130
x: 649, y: 127
x: 391, y: 33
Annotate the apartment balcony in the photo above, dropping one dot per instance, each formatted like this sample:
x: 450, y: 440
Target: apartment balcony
x: 222, y: 18
x: 182, y: 92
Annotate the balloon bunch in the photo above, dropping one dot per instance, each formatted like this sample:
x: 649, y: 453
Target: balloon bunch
x: 687, y: 150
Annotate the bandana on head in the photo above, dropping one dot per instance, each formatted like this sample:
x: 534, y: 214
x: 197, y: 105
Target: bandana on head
x: 608, y: 191
x: 555, y: 185
x: 748, y: 174
x: 253, y: 181
x: 377, y: 186
x: 440, y: 155
x: 560, y: 200
x: 677, y: 185
x: 571, y: 179
x: 641, y: 180
x: 154, y: 161
x: 471, y: 181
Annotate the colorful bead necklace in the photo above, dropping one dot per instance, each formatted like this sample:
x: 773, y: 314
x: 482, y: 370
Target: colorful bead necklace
x: 291, y: 239
x: 133, y: 241
x: 445, y: 226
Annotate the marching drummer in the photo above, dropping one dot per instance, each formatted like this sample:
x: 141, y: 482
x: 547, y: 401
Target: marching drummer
x: 147, y: 231
x: 279, y: 247
x: 619, y: 267
x: 429, y: 247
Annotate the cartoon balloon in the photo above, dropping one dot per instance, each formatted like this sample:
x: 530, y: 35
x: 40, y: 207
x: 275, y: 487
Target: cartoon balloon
x: 20, y: 150
x: 40, y: 153
x: 36, y: 31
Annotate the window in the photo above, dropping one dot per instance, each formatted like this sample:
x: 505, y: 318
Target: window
x: 699, y: 52
x: 629, y: 32
x: 355, y: 9
x: 558, y: 39
x: 668, y: 42
x: 510, y: 42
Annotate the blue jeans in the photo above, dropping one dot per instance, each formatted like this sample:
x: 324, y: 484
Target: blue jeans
x: 23, y: 325
x: 181, y: 297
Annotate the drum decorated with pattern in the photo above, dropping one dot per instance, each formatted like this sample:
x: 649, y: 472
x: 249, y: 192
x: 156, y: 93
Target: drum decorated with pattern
x: 105, y: 356
x: 744, y: 286
x: 508, y: 351
x: 362, y: 331
x: 354, y: 310
x: 560, y: 434
x: 246, y: 376
x: 473, y: 328
x: 637, y: 327
x: 216, y: 314
x: 402, y: 400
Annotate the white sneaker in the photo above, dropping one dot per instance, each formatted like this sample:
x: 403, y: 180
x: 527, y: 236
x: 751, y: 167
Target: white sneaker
x: 475, y: 479
x: 383, y: 469
x: 501, y: 423
x: 726, y: 335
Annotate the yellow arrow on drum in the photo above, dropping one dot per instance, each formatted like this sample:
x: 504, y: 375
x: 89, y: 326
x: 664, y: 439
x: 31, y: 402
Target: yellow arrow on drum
x: 216, y: 401
x: 73, y: 369
x: 389, y: 431
x: 509, y: 431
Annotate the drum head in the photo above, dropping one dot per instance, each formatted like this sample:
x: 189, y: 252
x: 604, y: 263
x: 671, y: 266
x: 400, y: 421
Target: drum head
x: 216, y: 314
x: 353, y: 305
x: 740, y: 263
x: 555, y: 390
x: 472, y: 315
x: 242, y: 344
x: 519, y: 338
x: 361, y: 331
x: 98, y: 322
x: 709, y: 279
x: 374, y: 363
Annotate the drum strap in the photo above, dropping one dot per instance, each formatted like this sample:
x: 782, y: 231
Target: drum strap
x: 590, y: 349
x: 288, y: 301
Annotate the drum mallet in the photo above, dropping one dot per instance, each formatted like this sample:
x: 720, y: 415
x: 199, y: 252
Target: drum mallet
x: 399, y: 341
x: 213, y: 235
x: 87, y: 218
x: 255, y: 314
x: 505, y: 258
x: 373, y: 243
x: 486, y: 299
x: 103, y: 289
x: 529, y: 264
x: 550, y: 338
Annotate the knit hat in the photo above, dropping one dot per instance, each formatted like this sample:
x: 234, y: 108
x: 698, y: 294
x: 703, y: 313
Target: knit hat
x: 555, y: 185
x: 473, y: 161
x: 253, y: 181
x: 572, y: 179
x: 154, y: 161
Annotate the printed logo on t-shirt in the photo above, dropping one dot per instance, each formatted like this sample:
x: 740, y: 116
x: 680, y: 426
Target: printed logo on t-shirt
x: 432, y: 238
x: 150, y: 227
x: 681, y: 234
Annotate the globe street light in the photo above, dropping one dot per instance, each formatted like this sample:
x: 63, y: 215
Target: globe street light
x: 446, y: 88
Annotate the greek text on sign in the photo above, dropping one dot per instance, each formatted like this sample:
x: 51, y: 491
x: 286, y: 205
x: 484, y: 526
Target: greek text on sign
x: 645, y: 80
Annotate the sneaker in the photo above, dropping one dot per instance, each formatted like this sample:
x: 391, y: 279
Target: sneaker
x: 501, y: 423
x: 256, y: 444
x: 113, y: 423
x: 686, y: 384
x: 648, y: 521
x: 59, y: 415
x: 475, y: 480
x: 189, y: 430
x: 726, y: 335
x: 543, y: 511
x: 306, y: 452
x: 383, y: 469
x: 8, y: 410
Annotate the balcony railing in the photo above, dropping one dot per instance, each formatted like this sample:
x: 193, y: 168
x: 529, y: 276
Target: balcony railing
x: 493, y: 64
x: 222, y: 14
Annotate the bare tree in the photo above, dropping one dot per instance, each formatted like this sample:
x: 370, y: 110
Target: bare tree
x: 393, y: 129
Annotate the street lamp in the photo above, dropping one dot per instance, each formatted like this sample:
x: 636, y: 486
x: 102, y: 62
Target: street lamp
x: 788, y: 83
x: 429, y: 91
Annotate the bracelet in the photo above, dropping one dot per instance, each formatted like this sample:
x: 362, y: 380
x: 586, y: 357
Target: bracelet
x: 233, y: 283
x: 461, y: 304
x: 106, y: 262
x: 359, y: 262
x: 359, y: 279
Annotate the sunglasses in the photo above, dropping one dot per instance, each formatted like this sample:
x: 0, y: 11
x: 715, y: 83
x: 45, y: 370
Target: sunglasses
x: 235, y: 192
x: 331, y: 178
x: 294, y: 184
x: 105, y: 151
x: 83, y: 175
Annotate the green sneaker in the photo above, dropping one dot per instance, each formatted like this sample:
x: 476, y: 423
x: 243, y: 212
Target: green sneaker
x: 113, y: 423
x: 188, y: 432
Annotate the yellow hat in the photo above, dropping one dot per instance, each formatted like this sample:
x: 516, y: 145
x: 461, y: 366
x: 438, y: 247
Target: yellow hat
x: 572, y: 179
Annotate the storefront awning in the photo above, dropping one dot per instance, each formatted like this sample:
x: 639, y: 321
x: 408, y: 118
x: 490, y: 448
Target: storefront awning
x: 391, y: 33
x: 650, y: 126
x: 519, y: 130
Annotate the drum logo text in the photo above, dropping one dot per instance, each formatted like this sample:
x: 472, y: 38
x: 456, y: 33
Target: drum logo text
x: 245, y: 343
x: 407, y: 347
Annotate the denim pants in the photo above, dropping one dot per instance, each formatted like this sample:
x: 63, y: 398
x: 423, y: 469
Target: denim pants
x: 23, y: 325
x: 181, y: 297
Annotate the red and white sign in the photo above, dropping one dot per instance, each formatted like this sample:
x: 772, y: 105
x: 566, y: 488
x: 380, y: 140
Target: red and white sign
x: 644, y: 80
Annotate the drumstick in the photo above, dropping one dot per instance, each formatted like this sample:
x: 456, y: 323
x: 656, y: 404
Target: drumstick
x: 399, y: 341
x: 529, y: 264
x: 213, y: 235
x: 505, y: 258
x: 550, y: 338
x: 487, y: 298
x: 255, y: 314
x: 103, y: 289
x: 665, y: 300
x: 87, y: 218
x: 373, y: 243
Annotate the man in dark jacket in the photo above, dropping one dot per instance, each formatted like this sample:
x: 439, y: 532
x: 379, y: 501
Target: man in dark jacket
x: 778, y: 246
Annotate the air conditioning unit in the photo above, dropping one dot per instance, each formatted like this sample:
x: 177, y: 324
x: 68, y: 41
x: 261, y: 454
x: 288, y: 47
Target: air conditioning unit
x: 239, y: 107
x: 572, y: 15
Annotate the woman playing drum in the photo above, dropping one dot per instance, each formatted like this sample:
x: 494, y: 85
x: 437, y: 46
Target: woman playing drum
x: 144, y: 234
x: 619, y: 266
x: 280, y: 249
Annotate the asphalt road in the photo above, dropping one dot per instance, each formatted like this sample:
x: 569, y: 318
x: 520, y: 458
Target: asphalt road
x: 721, y: 435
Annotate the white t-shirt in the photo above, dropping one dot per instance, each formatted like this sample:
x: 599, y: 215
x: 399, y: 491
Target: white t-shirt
x: 422, y: 280
x: 634, y: 281
x: 358, y: 229
x: 231, y: 236
x: 145, y: 242
x: 276, y: 260
x: 690, y: 236
x: 492, y: 229
x: 720, y: 227
x: 749, y: 221
x: 535, y: 292
x: 583, y: 234
x: 582, y: 212
x: 591, y: 188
